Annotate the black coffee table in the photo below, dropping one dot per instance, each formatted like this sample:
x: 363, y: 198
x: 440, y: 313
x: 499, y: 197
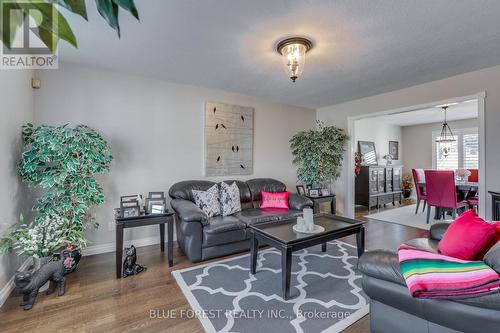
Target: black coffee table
x: 281, y: 236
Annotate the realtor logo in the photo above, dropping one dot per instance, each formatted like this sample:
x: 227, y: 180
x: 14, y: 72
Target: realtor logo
x: 27, y: 51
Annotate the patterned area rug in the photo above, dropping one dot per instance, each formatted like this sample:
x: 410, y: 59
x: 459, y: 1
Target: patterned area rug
x: 325, y: 293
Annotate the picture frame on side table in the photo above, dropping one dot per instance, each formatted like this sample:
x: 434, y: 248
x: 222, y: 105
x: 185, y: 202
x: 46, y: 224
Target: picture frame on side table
x: 314, y: 193
x: 301, y: 190
x: 325, y: 192
x: 157, y: 202
x: 156, y: 195
x: 130, y: 208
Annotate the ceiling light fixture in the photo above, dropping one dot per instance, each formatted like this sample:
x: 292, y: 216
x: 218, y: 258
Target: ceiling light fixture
x: 293, y: 51
x: 446, y: 137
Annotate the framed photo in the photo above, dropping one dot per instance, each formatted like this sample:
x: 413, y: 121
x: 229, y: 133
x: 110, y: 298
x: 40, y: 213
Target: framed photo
x: 130, y: 208
x: 157, y: 209
x: 156, y: 195
x: 367, y: 152
x: 301, y: 190
x: 325, y: 192
x: 158, y: 203
x: 128, y: 197
x: 314, y: 193
x: 394, y: 149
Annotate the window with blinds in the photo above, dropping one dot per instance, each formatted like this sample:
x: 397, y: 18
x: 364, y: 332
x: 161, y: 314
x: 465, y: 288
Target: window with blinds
x: 462, y: 154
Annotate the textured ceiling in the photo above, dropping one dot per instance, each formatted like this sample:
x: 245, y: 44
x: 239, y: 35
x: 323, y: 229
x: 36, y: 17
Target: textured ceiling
x: 362, y: 48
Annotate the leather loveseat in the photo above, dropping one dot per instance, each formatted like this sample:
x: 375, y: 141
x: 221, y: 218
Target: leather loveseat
x: 203, y: 238
x: 393, y: 309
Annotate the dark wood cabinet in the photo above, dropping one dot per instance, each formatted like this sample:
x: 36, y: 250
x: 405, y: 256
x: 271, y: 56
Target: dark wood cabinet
x: 378, y: 185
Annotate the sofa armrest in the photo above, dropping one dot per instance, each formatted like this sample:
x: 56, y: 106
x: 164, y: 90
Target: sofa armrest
x: 381, y: 264
x: 298, y: 202
x: 438, y: 230
x: 188, y: 211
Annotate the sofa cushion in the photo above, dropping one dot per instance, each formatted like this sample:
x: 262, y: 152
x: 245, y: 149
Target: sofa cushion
x: 245, y: 196
x: 255, y: 215
x: 425, y: 244
x: 184, y: 190
x: 223, y: 230
x: 208, y: 200
x: 229, y: 199
x: 467, y: 237
x: 274, y: 200
x: 259, y: 185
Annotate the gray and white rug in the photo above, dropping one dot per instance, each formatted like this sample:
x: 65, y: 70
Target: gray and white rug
x: 406, y: 216
x: 326, y: 294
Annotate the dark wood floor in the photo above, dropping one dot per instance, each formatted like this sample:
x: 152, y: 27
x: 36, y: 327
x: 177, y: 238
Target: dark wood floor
x: 96, y: 301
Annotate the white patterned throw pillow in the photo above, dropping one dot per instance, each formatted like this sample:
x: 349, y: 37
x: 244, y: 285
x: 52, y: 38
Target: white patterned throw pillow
x: 208, y: 200
x: 230, y: 199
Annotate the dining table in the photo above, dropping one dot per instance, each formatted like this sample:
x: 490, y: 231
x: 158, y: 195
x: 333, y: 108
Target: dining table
x: 465, y: 189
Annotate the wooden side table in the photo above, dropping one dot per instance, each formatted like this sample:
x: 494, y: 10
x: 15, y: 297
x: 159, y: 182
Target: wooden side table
x: 332, y: 199
x: 141, y: 221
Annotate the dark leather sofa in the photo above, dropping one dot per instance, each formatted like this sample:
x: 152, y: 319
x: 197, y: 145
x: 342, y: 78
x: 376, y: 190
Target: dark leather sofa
x: 393, y: 309
x: 203, y: 238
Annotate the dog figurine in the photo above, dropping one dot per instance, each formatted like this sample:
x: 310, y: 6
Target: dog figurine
x: 130, y: 267
x: 29, y: 282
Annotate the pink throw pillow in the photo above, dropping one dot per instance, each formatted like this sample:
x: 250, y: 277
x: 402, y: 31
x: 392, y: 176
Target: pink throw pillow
x: 467, y: 237
x: 274, y: 200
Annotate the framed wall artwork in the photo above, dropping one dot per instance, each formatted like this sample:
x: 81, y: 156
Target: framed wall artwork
x: 368, y: 152
x: 394, y: 149
x: 228, y: 139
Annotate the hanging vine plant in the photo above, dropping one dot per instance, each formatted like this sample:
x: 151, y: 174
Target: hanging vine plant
x: 318, y: 154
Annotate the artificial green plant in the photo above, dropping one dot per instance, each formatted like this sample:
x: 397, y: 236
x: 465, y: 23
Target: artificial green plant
x: 65, y: 161
x: 318, y: 154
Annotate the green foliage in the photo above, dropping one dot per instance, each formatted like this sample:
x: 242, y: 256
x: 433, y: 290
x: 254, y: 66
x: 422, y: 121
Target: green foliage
x: 39, y: 240
x: 45, y: 12
x: 64, y: 161
x: 318, y: 154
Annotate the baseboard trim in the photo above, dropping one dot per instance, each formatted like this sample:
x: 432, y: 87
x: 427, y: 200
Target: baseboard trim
x: 111, y: 247
x: 9, y: 286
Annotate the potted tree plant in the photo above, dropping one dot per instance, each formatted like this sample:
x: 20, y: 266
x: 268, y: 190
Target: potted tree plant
x: 63, y: 161
x: 318, y: 154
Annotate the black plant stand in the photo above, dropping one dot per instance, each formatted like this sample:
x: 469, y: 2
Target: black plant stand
x: 140, y: 221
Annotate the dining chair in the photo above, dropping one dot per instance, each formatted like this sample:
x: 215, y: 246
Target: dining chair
x: 442, y: 192
x: 474, y: 175
x: 418, y: 178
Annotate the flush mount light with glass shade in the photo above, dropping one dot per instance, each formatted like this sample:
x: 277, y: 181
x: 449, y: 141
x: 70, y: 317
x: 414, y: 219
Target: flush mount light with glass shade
x: 446, y: 137
x: 293, y: 51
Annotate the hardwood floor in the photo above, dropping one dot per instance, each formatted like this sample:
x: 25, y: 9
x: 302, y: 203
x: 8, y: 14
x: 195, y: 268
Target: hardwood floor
x: 96, y: 301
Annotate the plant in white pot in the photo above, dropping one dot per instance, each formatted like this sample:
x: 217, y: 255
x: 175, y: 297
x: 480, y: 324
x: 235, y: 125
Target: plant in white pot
x: 318, y: 154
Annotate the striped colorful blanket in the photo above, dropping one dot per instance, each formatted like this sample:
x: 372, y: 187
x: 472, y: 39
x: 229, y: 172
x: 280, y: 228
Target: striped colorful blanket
x: 431, y: 275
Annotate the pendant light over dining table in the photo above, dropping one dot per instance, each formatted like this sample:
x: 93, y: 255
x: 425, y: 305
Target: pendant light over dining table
x: 446, y: 137
x: 293, y: 51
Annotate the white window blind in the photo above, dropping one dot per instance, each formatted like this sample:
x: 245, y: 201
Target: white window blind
x: 463, y: 153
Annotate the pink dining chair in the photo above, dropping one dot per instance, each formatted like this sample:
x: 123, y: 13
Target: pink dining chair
x: 442, y: 192
x: 418, y: 178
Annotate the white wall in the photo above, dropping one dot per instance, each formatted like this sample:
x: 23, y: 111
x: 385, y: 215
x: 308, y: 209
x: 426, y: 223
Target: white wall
x: 461, y: 85
x: 381, y: 133
x: 155, y: 130
x: 417, y: 140
x: 16, y: 97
